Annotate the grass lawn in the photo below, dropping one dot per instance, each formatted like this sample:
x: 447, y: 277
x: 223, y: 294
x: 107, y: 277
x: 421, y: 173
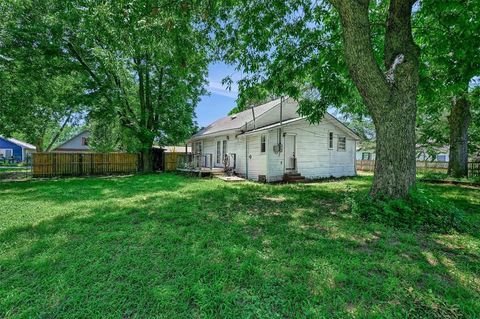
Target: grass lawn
x: 169, y: 246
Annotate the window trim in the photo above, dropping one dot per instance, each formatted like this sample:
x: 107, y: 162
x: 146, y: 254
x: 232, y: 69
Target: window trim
x: 84, y: 141
x: 330, y: 138
x: 263, y: 143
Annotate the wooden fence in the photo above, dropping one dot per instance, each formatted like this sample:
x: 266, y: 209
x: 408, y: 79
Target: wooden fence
x: 171, y: 160
x: 79, y: 164
x: 423, y: 166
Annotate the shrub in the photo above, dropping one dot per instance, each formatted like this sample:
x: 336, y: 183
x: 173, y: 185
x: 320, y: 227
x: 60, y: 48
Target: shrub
x: 418, y: 211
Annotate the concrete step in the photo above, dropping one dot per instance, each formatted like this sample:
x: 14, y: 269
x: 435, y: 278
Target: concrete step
x: 294, y: 178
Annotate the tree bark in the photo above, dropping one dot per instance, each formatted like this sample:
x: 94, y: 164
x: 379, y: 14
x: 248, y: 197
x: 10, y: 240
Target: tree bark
x: 459, y: 121
x: 395, y: 165
x: 390, y: 96
x: 147, y: 160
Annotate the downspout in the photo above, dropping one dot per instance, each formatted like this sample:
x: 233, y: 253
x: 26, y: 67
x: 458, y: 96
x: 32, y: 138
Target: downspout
x: 253, y: 113
x: 246, y: 153
x: 355, y: 157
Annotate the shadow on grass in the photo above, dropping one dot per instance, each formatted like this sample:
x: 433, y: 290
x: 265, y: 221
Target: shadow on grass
x: 170, y: 246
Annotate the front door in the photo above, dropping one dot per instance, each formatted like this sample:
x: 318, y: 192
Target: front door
x: 290, y: 156
x: 221, y: 150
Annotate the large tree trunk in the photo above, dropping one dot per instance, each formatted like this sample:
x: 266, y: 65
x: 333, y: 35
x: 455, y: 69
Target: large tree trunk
x: 395, y: 165
x: 147, y: 160
x: 390, y: 96
x: 458, y: 121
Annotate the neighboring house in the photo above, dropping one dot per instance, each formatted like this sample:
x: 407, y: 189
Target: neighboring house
x: 78, y: 143
x: 432, y: 154
x: 10, y: 147
x: 365, y: 153
x: 271, y: 140
x: 177, y: 149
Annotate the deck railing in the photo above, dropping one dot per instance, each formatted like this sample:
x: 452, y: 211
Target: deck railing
x: 195, y: 161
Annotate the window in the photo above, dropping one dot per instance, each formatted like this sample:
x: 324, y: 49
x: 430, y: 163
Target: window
x: 6, y: 152
x: 263, y: 144
x: 85, y: 141
x: 219, y: 149
x: 330, y: 140
x: 441, y: 157
x: 366, y: 156
x: 224, y: 150
x: 198, y: 147
x: 342, y: 143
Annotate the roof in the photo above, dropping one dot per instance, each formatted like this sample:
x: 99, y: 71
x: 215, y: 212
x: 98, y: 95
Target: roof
x: 70, y: 139
x: 20, y: 143
x: 236, y: 121
x: 273, y: 125
x: 175, y: 148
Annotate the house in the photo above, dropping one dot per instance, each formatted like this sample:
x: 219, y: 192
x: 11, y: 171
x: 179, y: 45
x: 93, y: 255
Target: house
x: 365, y: 152
x: 272, y: 141
x: 11, y: 148
x: 77, y: 144
x: 430, y: 153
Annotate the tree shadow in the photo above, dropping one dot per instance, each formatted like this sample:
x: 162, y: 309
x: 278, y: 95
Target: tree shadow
x: 208, y: 249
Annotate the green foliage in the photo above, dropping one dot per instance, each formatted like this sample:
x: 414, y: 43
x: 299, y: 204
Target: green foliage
x: 420, y: 210
x: 448, y: 33
x: 42, y: 89
x: 147, y: 60
x: 289, y: 48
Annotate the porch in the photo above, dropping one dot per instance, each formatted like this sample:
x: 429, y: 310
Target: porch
x: 203, y: 164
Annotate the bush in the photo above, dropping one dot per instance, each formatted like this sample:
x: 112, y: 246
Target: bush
x: 418, y: 211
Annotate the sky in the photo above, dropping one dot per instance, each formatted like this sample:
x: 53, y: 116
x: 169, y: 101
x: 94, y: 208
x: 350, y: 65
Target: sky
x: 220, y: 100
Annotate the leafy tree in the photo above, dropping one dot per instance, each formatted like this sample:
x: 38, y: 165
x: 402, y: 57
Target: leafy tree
x: 42, y: 91
x: 148, y: 59
x: 449, y: 33
x: 338, y: 49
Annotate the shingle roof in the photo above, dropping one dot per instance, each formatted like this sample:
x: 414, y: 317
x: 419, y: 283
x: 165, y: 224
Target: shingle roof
x: 19, y: 143
x: 236, y: 121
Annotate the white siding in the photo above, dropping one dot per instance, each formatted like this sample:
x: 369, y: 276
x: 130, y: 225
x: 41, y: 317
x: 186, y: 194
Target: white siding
x: 257, y: 161
x: 314, y: 159
x: 75, y: 144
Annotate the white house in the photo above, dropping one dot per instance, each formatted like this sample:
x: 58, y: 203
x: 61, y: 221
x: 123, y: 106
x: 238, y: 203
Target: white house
x: 271, y: 141
x: 78, y: 143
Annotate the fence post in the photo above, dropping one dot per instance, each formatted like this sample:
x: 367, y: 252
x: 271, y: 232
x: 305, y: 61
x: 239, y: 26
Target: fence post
x: 80, y: 164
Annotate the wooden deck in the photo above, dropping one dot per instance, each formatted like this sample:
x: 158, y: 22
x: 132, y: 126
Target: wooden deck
x: 202, y: 171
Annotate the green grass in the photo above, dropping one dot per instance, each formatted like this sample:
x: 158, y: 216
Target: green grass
x: 169, y: 246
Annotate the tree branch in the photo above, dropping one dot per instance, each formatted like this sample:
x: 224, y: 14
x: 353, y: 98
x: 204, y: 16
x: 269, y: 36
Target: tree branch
x: 57, y: 135
x: 359, y: 55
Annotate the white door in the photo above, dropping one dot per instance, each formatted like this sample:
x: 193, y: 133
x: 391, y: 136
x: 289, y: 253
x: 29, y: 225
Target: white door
x: 221, y: 150
x: 290, y: 156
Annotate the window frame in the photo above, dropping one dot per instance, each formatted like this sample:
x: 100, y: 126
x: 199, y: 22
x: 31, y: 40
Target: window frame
x: 5, y: 150
x: 263, y: 144
x: 196, y: 147
x: 330, y: 138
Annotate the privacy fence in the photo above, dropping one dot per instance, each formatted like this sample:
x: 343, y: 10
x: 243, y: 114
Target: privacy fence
x: 80, y: 164
x: 423, y: 166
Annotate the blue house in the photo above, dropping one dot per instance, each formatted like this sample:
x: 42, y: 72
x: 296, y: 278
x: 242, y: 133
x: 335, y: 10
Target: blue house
x: 13, y: 148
